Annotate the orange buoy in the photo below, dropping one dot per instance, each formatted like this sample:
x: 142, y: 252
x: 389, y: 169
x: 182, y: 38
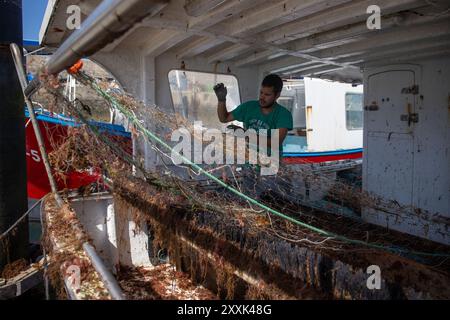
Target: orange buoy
x: 76, y: 67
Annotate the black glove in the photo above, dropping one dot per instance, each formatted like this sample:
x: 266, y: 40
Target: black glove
x: 221, y: 92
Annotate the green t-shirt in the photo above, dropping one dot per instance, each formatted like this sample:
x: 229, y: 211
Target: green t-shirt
x: 250, y: 114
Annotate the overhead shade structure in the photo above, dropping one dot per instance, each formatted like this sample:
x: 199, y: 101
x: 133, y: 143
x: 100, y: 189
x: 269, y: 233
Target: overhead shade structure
x: 196, y: 8
x: 109, y: 21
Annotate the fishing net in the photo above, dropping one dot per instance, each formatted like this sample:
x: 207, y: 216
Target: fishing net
x: 307, y: 203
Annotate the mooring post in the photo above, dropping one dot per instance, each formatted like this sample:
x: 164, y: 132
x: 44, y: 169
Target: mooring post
x: 13, y: 178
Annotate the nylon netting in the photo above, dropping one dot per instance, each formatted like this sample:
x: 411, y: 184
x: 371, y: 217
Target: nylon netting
x: 303, y: 203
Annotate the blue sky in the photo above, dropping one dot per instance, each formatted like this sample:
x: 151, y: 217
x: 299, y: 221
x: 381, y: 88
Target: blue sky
x: 33, y: 12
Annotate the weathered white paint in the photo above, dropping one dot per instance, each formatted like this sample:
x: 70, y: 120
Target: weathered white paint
x: 116, y: 237
x: 409, y: 163
x: 328, y: 121
x: 96, y: 214
x: 403, y: 35
x: 126, y: 67
x: 132, y: 239
x: 347, y: 14
x: 274, y: 13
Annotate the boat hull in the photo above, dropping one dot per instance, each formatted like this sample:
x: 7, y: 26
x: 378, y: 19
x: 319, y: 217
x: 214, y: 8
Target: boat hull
x: 319, y: 157
x: 54, y: 130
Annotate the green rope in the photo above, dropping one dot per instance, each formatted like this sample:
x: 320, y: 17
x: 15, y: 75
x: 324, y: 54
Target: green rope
x: 155, y: 138
x: 115, y: 148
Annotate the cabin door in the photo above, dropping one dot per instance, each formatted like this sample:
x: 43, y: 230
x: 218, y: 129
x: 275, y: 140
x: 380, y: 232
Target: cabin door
x: 389, y: 120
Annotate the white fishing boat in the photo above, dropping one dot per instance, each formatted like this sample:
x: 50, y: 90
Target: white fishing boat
x: 363, y: 180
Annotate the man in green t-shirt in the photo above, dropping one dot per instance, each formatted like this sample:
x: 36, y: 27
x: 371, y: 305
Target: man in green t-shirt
x: 264, y: 113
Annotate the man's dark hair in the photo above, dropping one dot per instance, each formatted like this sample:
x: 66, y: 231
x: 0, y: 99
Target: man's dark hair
x: 274, y: 81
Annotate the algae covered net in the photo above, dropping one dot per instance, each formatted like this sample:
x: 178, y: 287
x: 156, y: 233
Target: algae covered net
x: 306, y: 203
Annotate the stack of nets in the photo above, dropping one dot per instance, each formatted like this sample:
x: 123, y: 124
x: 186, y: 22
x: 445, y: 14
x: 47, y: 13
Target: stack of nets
x: 301, y: 203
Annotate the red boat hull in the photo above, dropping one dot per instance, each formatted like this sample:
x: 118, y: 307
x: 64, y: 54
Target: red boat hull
x: 54, y: 131
x: 323, y: 156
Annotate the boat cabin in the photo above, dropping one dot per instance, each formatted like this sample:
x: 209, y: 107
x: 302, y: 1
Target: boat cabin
x: 397, y: 49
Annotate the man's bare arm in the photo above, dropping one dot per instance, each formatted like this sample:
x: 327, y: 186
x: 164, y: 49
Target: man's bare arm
x: 282, y: 135
x: 224, y: 115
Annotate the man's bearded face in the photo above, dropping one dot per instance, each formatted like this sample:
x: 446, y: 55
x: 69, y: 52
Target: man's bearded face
x: 267, y: 97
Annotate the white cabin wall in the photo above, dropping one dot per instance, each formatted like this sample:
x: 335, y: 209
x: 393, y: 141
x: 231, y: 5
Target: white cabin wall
x: 415, y: 159
x: 328, y: 120
x: 136, y: 73
x: 149, y: 79
x: 124, y: 65
x: 432, y: 154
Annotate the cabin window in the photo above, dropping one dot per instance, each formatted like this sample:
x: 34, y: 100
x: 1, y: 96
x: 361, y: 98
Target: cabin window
x: 97, y: 108
x: 287, y: 102
x: 194, y: 98
x: 354, y: 111
x: 293, y: 98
